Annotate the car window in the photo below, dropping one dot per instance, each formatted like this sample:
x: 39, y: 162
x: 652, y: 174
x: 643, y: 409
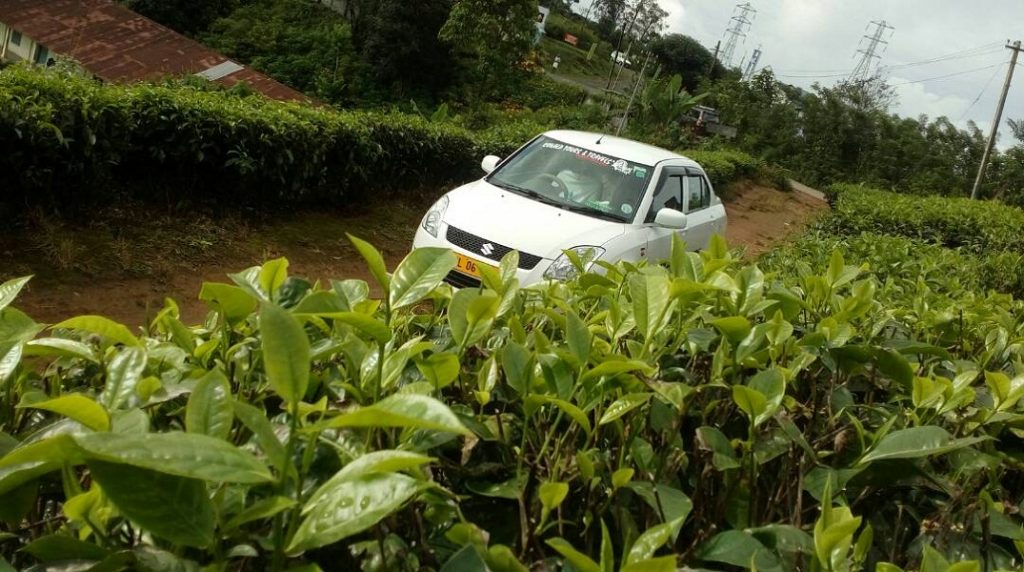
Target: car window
x: 698, y: 193
x: 668, y: 195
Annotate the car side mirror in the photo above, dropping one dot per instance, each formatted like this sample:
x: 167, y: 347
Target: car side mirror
x: 489, y: 163
x: 670, y: 218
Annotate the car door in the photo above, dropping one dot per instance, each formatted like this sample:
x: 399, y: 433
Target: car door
x: 705, y: 216
x: 669, y: 193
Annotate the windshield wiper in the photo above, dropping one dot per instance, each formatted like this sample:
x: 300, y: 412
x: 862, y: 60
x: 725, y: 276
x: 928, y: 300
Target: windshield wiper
x: 524, y: 191
x: 591, y: 212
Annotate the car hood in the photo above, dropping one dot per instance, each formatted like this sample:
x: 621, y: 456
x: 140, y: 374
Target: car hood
x: 523, y: 224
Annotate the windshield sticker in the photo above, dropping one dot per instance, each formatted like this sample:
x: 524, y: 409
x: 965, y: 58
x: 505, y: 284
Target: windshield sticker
x: 620, y: 166
x: 627, y: 209
x: 639, y: 172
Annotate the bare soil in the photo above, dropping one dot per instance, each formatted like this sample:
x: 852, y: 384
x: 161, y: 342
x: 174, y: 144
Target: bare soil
x: 123, y: 263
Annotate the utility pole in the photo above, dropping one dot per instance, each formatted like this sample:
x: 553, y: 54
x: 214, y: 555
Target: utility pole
x: 739, y: 24
x: 714, y: 59
x: 632, y: 96
x: 999, y: 117
x: 870, y: 54
x: 752, y: 64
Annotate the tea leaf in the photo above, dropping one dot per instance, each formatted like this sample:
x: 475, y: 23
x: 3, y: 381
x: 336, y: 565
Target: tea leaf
x: 171, y: 507
x: 403, y: 410
x: 123, y: 373
x: 78, y: 407
x: 234, y: 303
x: 374, y: 261
x: 188, y: 455
x: 622, y: 406
x: 261, y: 510
x: 348, y: 507
x: 100, y: 326
x: 285, y: 352
x: 209, y: 409
x: 916, y: 442
x: 9, y: 290
x: 272, y: 275
x: 416, y: 276
x: 580, y: 561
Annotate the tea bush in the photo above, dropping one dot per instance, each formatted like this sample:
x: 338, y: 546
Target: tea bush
x: 978, y: 226
x: 70, y: 135
x: 814, y: 415
x: 725, y: 166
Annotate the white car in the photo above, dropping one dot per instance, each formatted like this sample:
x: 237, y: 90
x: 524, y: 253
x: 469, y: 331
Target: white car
x: 603, y: 197
x: 620, y: 59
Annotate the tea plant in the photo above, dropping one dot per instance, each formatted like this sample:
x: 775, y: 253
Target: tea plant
x: 706, y: 413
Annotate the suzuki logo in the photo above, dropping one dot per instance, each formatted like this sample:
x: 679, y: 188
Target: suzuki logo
x: 487, y: 249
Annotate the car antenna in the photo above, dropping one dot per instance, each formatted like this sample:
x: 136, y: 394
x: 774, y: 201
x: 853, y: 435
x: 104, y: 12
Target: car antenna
x: 599, y: 139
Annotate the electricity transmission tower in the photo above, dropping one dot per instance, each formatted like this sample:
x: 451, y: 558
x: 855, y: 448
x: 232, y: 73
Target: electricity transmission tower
x: 865, y: 66
x: 739, y: 24
x: 755, y: 58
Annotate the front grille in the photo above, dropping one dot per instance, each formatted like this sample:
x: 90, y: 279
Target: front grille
x: 460, y: 280
x: 474, y: 244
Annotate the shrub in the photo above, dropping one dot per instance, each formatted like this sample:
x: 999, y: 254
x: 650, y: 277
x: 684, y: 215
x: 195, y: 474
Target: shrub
x: 71, y: 134
x: 701, y: 414
x: 982, y: 227
x: 725, y: 166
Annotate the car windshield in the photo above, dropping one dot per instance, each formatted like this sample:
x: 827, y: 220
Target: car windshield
x: 575, y: 178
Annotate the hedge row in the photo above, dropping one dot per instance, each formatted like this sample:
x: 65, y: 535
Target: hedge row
x: 983, y: 227
x: 70, y: 140
x: 70, y: 136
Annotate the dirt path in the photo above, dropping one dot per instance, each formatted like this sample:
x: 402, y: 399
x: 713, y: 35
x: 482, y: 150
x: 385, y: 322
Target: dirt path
x: 78, y: 271
x: 760, y: 216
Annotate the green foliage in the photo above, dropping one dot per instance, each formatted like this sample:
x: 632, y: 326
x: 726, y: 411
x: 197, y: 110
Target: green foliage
x: 663, y: 106
x: 981, y: 227
x: 496, y: 35
x: 298, y: 42
x: 806, y: 412
x: 185, y: 16
x: 726, y: 166
x: 682, y: 55
x: 71, y: 135
x: 558, y: 26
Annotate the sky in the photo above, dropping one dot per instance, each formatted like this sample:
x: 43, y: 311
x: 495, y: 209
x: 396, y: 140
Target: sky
x: 808, y: 41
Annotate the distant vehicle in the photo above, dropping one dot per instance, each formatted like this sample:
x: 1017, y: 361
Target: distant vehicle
x: 601, y: 197
x: 620, y: 59
x: 706, y: 121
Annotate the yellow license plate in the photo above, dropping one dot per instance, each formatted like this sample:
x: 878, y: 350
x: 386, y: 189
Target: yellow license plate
x: 469, y: 266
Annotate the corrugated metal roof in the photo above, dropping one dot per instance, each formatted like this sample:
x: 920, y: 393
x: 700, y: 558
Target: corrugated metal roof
x: 119, y: 45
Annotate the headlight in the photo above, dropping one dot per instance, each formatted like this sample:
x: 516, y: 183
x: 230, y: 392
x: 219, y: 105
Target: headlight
x: 432, y: 222
x: 564, y: 269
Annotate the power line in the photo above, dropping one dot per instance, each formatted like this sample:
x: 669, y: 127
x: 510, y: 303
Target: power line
x: 948, y: 75
x: 984, y: 88
x: 974, y: 52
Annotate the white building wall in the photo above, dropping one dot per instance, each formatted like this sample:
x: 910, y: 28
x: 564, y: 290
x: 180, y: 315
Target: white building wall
x: 24, y: 50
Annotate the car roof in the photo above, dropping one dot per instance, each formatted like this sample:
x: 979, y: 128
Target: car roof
x: 618, y: 147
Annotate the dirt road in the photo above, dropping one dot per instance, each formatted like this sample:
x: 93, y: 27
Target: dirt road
x: 97, y: 279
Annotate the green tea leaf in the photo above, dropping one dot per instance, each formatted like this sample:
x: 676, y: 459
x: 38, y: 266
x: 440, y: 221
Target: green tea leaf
x: 403, y: 410
x: 9, y: 290
x: 209, y: 409
x: 60, y: 347
x: 32, y: 460
x: 58, y: 547
x: 579, y: 561
x: 273, y: 274
x: 183, y: 454
x: 622, y: 406
x: 366, y: 324
x: 734, y: 328
x: 171, y: 507
x: 751, y: 401
x: 416, y: 276
x: 234, y: 303
x: 78, y: 407
x: 650, y: 294
x: 577, y: 336
x: 551, y: 495
x: 439, y: 369
x: 386, y: 461
x: 285, y: 353
x: 256, y: 421
x: 100, y: 326
x: 916, y: 442
x: 123, y: 373
x: 263, y: 509
x: 374, y: 261
x: 651, y: 540
x: 348, y: 507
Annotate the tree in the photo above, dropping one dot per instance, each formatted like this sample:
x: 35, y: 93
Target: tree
x: 297, y: 42
x: 496, y: 35
x: 399, y: 41
x: 185, y: 16
x: 679, y: 54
